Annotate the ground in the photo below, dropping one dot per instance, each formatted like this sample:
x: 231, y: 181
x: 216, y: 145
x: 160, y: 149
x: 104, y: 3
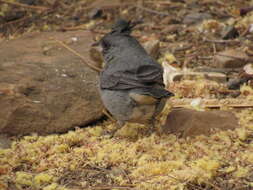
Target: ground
x: 89, y: 158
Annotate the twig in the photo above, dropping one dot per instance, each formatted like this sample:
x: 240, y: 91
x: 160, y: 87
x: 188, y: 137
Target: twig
x: 218, y: 70
x: 213, y: 185
x: 214, y: 52
x: 152, y: 11
x: 111, y: 187
x: 221, y: 41
x: 98, y: 31
x: 177, y: 104
x: 246, y: 31
x: 182, y: 48
x: 214, y: 48
x: 172, y: 177
x: 218, y: 106
x: 24, y: 5
x: 247, y: 59
x: 73, y: 28
x: 107, y: 6
x: 15, y: 21
x: 182, y: 181
x: 77, y: 54
x: 205, y: 58
x: 159, y: 2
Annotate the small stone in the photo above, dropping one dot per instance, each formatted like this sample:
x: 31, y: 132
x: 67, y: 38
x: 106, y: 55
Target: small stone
x: 229, y: 32
x: 244, y: 77
x: 172, y: 28
x: 95, y: 13
x: 187, y: 122
x: 194, y: 18
x: 248, y: 69
x: 251, y: 28
x: 245, y: 10
x: 235, y: 84
x: 231, y: 58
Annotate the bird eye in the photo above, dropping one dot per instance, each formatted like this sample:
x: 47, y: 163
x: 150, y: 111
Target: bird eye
x: 105, y: 45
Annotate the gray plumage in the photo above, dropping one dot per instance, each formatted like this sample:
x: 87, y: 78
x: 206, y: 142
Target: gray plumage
x: 131, y: 83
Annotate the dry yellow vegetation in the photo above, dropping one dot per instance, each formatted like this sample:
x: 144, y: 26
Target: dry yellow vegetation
x: 90, y: 159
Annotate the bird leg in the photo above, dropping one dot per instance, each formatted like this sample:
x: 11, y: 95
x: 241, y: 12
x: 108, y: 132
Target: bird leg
x: 119, y: 125
x: 151, y: 126
x: 108, y: 115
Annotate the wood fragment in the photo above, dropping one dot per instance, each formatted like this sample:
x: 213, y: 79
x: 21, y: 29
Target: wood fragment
x: 73, y: 28
x: 221, y: 41
x: 108, y: 6
x: 246, y: 59
x: 15, y: 21
x: 109, y: 187
x: 182, y: 48
x: 183, y: 181
x: 205, y: 58
x: 211, y: 103
x: 217, y: 70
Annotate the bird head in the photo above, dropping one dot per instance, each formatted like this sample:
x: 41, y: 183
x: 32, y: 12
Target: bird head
x: 122, y: 26
x: 114, y: 38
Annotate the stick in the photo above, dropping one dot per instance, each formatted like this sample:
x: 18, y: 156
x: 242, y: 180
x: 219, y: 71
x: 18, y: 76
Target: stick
x: 79, y: 55
x: 218, y: 70
x: 183, y: 181
x: 111, y: 187
x: 247, y: 59
x: 15, y: 21
x: 152, y: 11
x: 181, y: 104
x: 221, y: 41
x: 24, y: 5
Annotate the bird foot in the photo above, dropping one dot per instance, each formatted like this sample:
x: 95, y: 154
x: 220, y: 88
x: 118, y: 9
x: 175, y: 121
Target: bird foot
x: 119, y: 125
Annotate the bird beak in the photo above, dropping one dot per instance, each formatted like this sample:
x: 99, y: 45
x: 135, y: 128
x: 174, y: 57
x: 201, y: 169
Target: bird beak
x: 95, y: 44
x: 134, y: 23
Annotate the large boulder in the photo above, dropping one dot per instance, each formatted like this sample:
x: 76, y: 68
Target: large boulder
x: 44, y: 88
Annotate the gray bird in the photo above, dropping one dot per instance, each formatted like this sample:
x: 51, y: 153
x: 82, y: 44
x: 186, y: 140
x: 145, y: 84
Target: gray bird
x: 131, y: 82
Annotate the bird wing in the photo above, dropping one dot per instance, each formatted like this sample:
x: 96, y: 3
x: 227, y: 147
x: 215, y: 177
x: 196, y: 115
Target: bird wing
x: 150, y: 74
x: 142, y: 76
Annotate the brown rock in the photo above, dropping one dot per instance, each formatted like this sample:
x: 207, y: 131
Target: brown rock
x: 43, y: 87
x: 173, y: 28
x: 231, y: 59
x: 187, y: 122
x: 194, y: 18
